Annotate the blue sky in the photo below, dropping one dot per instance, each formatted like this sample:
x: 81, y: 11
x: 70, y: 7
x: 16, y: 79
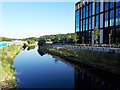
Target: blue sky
x: 34, y: 19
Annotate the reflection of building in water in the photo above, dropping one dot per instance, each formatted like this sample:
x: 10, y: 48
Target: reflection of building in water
x: 87, y: 80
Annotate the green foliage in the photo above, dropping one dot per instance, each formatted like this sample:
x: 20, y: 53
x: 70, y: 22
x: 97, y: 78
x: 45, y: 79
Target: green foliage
x: 31, y: 47
x: 96, y: 33
x: 101, y: 59
x: 31, y: 38
x: 7, y: 55
x: 41, y: 42
x: 6, y: 39
x: 74, y: 37
x: 69, y: 38
x: 30, y: 41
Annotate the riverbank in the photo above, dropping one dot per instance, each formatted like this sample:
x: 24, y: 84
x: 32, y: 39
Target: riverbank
x: 101, y: 60
x: 7, y: 55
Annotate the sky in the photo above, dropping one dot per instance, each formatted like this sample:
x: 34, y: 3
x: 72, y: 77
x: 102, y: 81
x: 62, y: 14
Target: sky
x: 35, y: 19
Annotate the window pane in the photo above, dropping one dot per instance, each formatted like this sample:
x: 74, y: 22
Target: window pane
x: 89, y: 23
x: 86, y: 24
x: 86, y: 11
x: 112, y: 18
x: 112, y: 4
x: 97, y: 7
x: 106, y: 5
x: 106, y: 19
x: 118, y: 16
x: 97, y: 21
x: 83, y: 25
x: 117, y: 3
x: 90, y: 9
x: 77, y: 21
x: 81, y: 13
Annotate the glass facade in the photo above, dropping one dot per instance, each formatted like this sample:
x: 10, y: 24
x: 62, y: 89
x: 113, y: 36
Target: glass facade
x: 97, y: 21
x: 117, y: 3
x: 89, y: 23
x: 84, y: 12
x: 86, y: 24
x: 106, y: 19
x: 112, y: 4
x: 90, y: 9
x: 106, y: 6
x: 112, y: 18
x: 83, y: 25
x: 81, y: 13
x: 97, y: 7
x: 77, y: 20
x: 118, y: 16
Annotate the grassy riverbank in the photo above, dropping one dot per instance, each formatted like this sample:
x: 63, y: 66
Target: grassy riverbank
x: 7, y: 55
x: 105, y: 60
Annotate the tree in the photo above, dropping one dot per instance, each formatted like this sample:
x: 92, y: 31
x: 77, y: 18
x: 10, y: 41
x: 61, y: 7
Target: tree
x: 30, y: 41
x: 96, y: 33
x: 74, y: 37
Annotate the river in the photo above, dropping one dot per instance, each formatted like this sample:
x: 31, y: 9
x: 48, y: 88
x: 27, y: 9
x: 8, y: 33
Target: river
x: 46, y: 71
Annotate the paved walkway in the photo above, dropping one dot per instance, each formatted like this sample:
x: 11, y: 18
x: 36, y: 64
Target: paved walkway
x: 103, y: 49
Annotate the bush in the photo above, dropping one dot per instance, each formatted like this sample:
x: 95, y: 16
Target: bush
x: 41, y: 42
x: 30, y: 41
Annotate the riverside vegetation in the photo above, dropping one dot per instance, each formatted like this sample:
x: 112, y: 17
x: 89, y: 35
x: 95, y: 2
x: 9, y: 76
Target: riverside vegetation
x: 7, y: 55
x: 106, y: 60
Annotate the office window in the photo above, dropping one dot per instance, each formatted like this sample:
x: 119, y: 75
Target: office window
x: 77, y: 20
x: 86, y: 24
x: 83, y: 25
x: 112, y: 4
x: 90, y: 9
x: 118, y: 16
x: 81, y: 13
x: 106, y: 19
x: 112, y: 18
x: 84, y: 12
x: 106, y: 6
x: 89, y: 23
x: 97, y: 21
x: 117, y: 3
x: 97, y: 7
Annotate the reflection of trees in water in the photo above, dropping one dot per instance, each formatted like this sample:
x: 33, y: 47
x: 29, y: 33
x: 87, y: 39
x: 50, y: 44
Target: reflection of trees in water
x: 56, y: 60
x: 40, y: 52
x: 84, y: 79
x: 31, y: 47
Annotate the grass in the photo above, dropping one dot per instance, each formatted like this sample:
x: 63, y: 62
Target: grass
x: 107, y: 60
x: 7, y: 55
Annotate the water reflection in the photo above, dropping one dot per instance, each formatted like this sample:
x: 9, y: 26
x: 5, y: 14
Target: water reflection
x: 40, y: 70
x: 85, y: 77
x: 30, y: 48
x: 41, y: 53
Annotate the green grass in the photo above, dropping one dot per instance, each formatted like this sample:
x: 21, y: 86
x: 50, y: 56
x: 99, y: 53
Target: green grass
x: 7, y: 55
x: 105, y: 60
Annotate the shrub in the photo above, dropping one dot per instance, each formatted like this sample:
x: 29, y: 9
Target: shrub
x: 30, y: 41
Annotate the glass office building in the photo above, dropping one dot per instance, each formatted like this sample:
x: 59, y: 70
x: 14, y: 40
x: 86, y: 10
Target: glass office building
x: 104, y: 14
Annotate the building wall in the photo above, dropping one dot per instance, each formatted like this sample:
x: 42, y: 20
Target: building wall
x: 104, y: 15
